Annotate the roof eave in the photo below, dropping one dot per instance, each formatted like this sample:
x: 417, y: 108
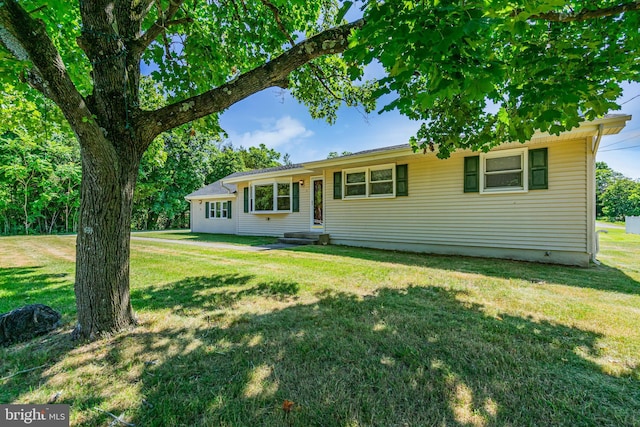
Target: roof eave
x: 364, y: 157
x: 211, y: 196
x: 611, y: 126
x: 266, y: 175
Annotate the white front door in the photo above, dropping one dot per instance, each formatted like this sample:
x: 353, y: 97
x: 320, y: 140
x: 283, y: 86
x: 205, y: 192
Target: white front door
x: 317, y: 203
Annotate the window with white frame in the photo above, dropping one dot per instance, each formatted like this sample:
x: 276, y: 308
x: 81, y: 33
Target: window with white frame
x: 504, y: 171
x: 373, y: 181
x: 271, y: 197
x: 381, y: 181
x: 283, y: 202
x: 218, y: 210
x: 355, y: 183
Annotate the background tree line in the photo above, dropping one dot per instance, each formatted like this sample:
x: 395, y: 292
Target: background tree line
x: 40, y: 169
x: 616, y: 195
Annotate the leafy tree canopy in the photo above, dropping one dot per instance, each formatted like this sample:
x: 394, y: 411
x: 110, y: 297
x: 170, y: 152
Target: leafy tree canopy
x: 620, y: 199
x: 482, y: 72
x: 616, y: 195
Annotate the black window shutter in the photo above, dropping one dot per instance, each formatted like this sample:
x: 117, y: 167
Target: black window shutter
x: 538, y: 169
x: 296, y: 197
x: 472, y: 174
x: 402, y: 180
x: 229, y: 209
x: 337, y: 185
x: 246, y: 199
x: 206, y: 209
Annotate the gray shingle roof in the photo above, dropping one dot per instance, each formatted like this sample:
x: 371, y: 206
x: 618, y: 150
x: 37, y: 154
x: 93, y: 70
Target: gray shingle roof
x: 376, y: 150
x: 215, y: 188
x: 265, y: 170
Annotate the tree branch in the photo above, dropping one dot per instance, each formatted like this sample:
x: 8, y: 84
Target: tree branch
x: 317, y: 72
x: 586, y: 14
x: 273, y: 73
x: 187, y: 20
x: 140, y: 9
x: 276, y: 15
x: 159, y: 26
x: 27, y: 39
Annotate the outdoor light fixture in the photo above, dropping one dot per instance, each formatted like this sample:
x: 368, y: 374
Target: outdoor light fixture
x: 301, y: 182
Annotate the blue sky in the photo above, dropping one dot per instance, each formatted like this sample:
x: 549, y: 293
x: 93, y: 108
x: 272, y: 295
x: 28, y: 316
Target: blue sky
x: 274, y: 118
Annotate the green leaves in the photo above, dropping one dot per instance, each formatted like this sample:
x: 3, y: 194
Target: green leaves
x: 325, y: 84
x: 479, y: 73
x: 39, y: 167
x: 343, y: 10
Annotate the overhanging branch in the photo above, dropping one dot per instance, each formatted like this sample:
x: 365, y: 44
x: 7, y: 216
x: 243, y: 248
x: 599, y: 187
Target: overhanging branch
x: 273, y: 73
x: 587, y: 14
x: 28, y: 40
x: 276, y: 16
x: 160, y: 26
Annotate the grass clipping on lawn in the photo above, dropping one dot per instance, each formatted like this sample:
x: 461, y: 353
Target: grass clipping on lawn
x: 335, y: 336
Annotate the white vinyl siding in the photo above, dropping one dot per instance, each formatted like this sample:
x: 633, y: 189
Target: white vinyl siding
x: 201, y: 224
x: 438, y: 212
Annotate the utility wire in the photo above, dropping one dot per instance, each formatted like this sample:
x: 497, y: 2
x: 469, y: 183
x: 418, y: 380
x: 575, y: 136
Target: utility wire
x: 621, y: 148
x: 630, y: 99
x: 622, y: 140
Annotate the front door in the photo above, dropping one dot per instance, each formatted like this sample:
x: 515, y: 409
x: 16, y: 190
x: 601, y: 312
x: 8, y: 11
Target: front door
x: 317, y: 204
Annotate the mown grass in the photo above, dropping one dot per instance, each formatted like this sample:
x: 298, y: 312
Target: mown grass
x: 204, y: 237
x: 354, y: 337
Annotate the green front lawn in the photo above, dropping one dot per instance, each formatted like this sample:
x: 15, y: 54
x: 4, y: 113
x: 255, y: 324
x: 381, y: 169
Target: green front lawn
x: 205, y: 237
x: 353, y: 337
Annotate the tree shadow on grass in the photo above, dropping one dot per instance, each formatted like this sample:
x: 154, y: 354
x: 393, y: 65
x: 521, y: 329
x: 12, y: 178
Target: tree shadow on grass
x: 213, y: 292
x: 601, y: 277
x: 416, y: 356
x: 29, y: 285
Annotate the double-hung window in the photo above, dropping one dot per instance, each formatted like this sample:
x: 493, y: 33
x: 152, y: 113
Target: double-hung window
x: 355, y: 183
x: 271, y: 197
x: 381, y: 181
x: 507, y: 171
x: 373, y: 181
x: 504, y: 171
x: 218, y: 210
x: 283, y: 202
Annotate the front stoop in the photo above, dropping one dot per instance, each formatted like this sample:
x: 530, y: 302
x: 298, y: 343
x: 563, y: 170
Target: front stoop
x: 305, y: 238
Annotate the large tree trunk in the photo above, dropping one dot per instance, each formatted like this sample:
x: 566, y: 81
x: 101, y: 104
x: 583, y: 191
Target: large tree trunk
x: 114, y: 131
x: 103, y: 245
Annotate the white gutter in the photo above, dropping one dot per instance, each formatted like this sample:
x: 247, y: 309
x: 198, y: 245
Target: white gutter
x: 266, y: 175
x: 363, y: 157
x: 211, y: 196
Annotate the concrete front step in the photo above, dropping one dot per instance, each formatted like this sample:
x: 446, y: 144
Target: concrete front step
x: 305, y: 238
x: 298, y: 241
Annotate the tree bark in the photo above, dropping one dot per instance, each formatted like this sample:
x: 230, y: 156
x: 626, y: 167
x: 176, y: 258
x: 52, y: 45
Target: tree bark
x: 103, y: 245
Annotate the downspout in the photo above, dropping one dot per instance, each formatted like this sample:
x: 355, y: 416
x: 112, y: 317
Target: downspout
x: 231, y: 192
x: 596, y: 236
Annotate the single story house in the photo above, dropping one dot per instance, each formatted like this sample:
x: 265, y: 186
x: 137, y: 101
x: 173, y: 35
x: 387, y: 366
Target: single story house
x: 532, y: 201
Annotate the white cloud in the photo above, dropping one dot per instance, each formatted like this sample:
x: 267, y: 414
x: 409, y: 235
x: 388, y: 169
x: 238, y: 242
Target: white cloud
x: 274, y: 133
